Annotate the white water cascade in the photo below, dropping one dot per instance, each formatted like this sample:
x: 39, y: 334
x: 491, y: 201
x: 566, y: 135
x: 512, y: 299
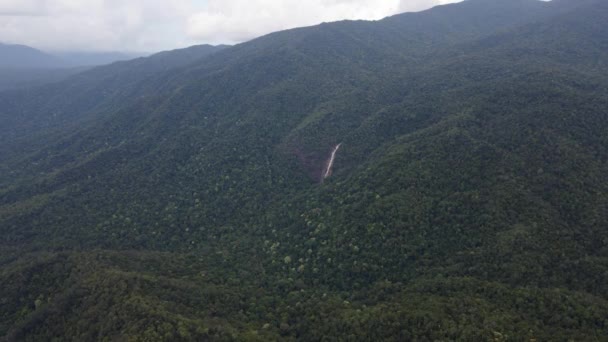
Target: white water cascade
x: 330, y: 162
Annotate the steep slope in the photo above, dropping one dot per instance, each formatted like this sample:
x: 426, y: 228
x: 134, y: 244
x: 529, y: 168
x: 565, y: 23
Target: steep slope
x: 356, y: 44
x: 327, y: 64
x: 468, y: 198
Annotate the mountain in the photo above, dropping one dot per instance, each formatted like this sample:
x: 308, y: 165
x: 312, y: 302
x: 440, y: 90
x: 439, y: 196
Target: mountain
x: 25, y: 57
x: 185, y: 198
x: 79, y: 59
x: 14, y: 56
x: 22, y: 66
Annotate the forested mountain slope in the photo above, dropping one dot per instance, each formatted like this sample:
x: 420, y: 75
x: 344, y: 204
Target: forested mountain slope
x: 468, y: 199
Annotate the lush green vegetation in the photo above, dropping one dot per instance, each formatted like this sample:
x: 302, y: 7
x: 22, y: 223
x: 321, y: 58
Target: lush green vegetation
x: 179, y: 198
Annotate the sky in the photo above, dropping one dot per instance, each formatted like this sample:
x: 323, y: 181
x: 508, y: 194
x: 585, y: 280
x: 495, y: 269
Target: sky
x: 156, y: 25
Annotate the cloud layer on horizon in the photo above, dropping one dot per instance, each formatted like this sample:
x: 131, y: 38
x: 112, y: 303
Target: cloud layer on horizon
x: 153, y: 25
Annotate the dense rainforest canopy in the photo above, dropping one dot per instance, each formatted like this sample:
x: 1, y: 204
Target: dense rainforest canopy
x: 179, y: 197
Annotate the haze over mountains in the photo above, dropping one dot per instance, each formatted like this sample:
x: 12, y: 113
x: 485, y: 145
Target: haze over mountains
x: 24, y: 57
x: 21, y: 56
x: 180, y: 196
x: 22, y: 66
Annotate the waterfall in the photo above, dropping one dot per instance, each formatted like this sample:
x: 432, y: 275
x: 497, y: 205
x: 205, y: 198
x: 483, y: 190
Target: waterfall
x: 330, y: 162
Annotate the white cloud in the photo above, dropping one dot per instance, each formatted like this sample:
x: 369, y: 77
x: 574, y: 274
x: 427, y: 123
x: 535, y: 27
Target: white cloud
x: 22, y: 7
x: 237, y: 20
x: 104, y: 25
x: 152, y: 25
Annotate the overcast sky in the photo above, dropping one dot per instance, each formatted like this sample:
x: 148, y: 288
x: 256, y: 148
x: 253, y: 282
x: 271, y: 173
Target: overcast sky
x: 154, y: 25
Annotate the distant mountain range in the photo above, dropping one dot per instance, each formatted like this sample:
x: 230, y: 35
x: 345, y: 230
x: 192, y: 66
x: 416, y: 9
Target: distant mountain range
x: 14, y: 56
x: 80, y: 59
x: 433, y: 176
x: 22, y: 66
x: 25, y: 57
